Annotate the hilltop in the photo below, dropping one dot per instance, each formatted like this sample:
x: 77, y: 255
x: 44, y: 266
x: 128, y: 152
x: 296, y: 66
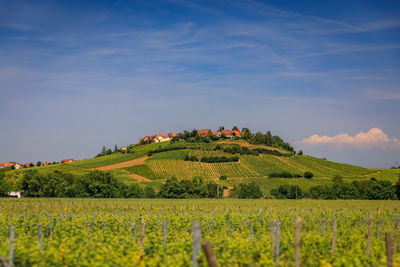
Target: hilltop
x: 224, y: 161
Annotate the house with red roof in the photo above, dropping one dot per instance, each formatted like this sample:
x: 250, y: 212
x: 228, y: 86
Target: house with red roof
x: 203, y: 132
x: 172, y: 135
x: 148, y: 139
x: 229, y: 134
x: 67, y: 160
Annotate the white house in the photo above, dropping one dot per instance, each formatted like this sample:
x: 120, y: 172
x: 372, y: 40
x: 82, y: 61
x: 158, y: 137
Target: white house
x: 15, y: 194
x: 159, y: 138
x: 18, y: 166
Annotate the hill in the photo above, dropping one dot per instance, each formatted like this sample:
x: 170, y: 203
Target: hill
x: 154, y: 163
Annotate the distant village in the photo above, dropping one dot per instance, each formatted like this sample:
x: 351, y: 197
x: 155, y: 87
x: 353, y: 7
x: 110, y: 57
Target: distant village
x: 156, y: 138
x: 202, y: 133
x: 17, y: 166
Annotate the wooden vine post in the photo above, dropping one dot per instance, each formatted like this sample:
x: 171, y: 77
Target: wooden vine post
x: 334, y: 230
x: 142, y: 232
x: 297, y: 241
x: 369, y: 235
x: 389, y: 250
x: 196, y: 242
x: 210, y: 256
x: 396, y: 227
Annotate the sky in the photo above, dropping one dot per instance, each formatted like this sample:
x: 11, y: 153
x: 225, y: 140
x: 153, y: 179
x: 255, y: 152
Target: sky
x: 77, y: 75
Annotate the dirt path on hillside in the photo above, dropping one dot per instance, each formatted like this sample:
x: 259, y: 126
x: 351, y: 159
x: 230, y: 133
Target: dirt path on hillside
x: 130, y: 163
x: 138, y: 177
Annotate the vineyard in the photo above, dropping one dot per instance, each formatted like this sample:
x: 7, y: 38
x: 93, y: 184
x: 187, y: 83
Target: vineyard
x: 113, y: 232
x: 186, y: 169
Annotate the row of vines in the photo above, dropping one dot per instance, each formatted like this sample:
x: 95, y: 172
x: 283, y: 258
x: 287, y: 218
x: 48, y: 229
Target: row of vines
x: 113, y: 232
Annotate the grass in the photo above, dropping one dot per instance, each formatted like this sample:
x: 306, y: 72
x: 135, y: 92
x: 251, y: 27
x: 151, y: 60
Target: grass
x: 174, y: 154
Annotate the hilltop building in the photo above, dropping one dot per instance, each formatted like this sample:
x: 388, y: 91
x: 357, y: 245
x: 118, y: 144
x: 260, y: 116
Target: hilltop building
x: 229, y: 134
x: 67, y: 160
x: 204, y: 132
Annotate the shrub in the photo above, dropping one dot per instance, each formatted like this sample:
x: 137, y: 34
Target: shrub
x: 308, y: 175
x: 223, y: 177
x: 283, y: 174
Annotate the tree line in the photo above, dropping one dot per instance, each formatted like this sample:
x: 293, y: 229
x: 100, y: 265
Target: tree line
x: 370, y: 189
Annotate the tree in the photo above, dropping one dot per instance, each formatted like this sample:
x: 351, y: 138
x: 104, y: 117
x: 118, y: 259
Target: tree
x: 108, y: 152
x: 397, y: 188
x: 268, y: 139
x: 39, y: 163
x: 134, y: 191
x: 308, y: 175
x: 221, y: 128
x: 149, y: 192
x: 250, y: 190
x: 103, y: 151
x: 222, y: 177
x: 99, y: 184
x: 193, y: 133
x: 4, y: 188
x: 235, y: 128
x: 381, y: 190
x: 115, y: 148
x: 300, y: 153
x: 259, y: 138
x: 31, y: 164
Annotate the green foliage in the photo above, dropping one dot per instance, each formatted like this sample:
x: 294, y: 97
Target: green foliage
x: 134, y: 191
x: 308, y: 175
x: 397, y: 188
x: 381, y: 190
x: 283, y: 174
x: 4, y: 187
x: 149, y: 192
x: 195, y: 188
x: 99, y: 184
x: 56, y: 184
x: 247, y: 190
x: 223, y: 177
x: 288, y: 192
x: 101, y: 232
x: 217, y: 159
x: 165, y: 149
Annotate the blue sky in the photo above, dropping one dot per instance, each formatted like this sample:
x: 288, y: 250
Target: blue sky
x: 75, y: 75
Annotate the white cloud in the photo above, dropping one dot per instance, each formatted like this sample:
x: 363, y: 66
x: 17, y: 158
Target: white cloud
x: 374, y: 138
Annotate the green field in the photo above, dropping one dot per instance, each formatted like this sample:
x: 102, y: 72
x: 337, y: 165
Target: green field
x: 137, y: 232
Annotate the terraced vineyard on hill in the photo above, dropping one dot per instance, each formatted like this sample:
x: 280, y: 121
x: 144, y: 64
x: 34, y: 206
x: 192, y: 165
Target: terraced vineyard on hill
x: 162, y: 165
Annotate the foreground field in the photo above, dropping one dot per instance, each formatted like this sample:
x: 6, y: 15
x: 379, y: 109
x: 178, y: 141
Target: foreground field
x: 93, y: 232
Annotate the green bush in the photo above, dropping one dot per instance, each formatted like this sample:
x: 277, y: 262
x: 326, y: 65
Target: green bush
x: 250, y: 190
x: 308, y: 175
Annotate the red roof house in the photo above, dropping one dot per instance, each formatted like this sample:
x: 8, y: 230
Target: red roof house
x: 67, y: 160
x: 203, y: 132
x: 229, y: 134
x: 171, y: 135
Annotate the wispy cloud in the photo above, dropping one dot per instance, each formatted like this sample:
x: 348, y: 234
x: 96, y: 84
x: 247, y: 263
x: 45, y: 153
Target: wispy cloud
x: 374, y: 138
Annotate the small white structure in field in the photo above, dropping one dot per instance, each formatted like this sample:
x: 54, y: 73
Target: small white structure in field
x: 15, y: 194
x: 159, y: 138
